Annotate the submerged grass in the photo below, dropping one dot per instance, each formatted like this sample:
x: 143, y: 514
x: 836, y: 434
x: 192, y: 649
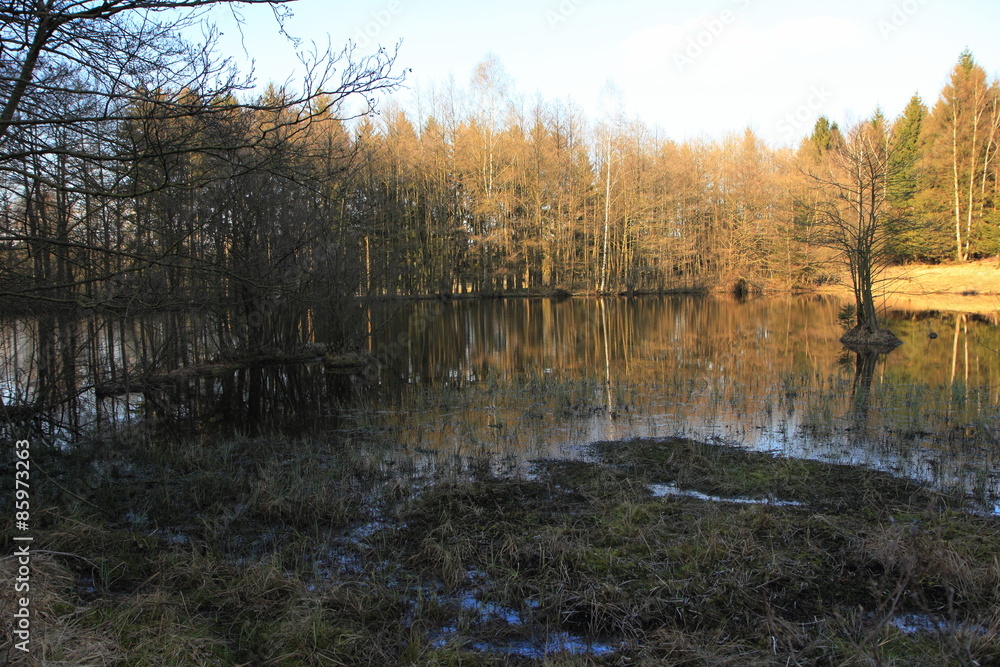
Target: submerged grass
x: 323, y: 552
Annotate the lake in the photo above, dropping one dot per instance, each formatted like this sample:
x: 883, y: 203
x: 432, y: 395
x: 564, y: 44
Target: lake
x: 521, y: 379
x: 537, y: 378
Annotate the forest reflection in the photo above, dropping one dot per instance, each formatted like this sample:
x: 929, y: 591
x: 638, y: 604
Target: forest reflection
x: 539, y: 377
x: 659, y: 339
x: 57, y: 369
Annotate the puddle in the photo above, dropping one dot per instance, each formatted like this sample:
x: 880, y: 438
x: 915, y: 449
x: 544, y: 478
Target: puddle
x: 361, y: 533
x: 916, y: 623
x: 535, y: 648
x: 561, y: 642
x: 345, y: 554
x: 173, y: 537
x: 491, y: 613
x: 664, y: 490
x: 983, y: 508
x: 992, y: 509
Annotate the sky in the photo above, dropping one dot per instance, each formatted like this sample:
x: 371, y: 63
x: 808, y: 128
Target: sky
x: 692, y: 70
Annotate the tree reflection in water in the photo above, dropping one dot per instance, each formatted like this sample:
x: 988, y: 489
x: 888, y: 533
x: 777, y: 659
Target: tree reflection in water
x: 865, y: 362
x: 762, y: 373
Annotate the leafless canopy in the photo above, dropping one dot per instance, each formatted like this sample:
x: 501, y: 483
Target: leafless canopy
x: 853, y: 181
x: 71, y: 71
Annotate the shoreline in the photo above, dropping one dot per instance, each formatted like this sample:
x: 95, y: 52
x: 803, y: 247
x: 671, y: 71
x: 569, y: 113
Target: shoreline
x: 973, y: 287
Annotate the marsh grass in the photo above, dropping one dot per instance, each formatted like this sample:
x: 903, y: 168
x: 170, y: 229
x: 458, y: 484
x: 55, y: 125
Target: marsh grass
x: 319, y: 551
x: 945, y: 435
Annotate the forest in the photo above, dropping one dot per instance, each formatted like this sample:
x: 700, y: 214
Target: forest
x: 160, y: 180
x: 483, y: 193
x: 253, y: 421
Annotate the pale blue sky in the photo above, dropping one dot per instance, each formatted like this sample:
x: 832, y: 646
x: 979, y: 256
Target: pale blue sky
x: 692, y: 69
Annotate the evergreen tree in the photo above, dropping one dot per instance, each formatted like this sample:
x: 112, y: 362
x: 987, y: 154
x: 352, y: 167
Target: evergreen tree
x: 825, y: 136
x: 906, y: 240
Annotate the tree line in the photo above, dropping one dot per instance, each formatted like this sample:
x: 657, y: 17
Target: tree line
x: 139, y: 171
x: 480, y: 192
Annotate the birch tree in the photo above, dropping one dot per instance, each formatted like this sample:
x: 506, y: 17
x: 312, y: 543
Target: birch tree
x: 961, y: 145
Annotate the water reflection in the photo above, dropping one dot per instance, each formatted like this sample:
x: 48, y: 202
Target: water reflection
x: 865, y: 362
x: 542, y: 377
x: 63, y: 376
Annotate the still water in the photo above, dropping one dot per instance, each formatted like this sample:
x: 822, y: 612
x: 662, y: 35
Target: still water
x: 541, y: 378
x: 525, y: 378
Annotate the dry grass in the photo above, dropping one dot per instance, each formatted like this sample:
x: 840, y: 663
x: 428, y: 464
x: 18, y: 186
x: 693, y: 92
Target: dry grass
x: 57, y: 635
x: 483, y: 570
x: 971, y: 287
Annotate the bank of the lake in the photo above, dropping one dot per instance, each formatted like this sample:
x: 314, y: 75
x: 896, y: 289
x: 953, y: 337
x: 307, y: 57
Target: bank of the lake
x: 969, y: 287
x: 311, y: 551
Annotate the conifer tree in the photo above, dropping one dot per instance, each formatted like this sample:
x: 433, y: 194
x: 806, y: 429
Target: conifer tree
x: 907, y: 242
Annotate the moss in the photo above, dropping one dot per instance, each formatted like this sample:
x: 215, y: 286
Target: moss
x: 731, y: 472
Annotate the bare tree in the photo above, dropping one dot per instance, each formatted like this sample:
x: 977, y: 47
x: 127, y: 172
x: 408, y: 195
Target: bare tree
x: 82, y: 66
x: 104, y: 100
x: 853, y: 181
